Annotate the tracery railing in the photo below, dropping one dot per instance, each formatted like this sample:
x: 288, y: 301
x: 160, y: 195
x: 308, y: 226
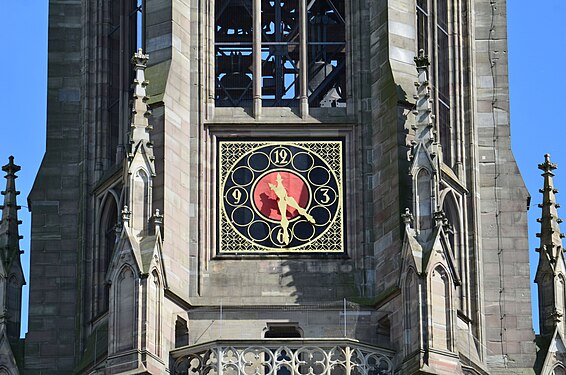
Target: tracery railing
x: 283, y: 357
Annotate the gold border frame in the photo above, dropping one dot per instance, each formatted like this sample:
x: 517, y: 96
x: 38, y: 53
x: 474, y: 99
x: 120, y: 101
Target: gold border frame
x: 331, y: 240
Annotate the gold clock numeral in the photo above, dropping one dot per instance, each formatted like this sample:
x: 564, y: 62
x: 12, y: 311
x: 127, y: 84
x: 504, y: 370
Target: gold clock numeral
x: 326, y: 198
x: 237, y: 195
x: 281, y: 236
x: 281, y: 156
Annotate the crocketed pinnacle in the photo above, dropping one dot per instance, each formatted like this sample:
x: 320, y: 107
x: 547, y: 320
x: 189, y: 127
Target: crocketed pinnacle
x: 139, y: 126
x: 550, y: 236
x: 9, y: 234
x: 423, y: 107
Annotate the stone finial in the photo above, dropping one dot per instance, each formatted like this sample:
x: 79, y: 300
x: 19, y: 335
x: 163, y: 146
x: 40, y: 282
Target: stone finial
x: 407, y: 218
x: 550, y: 235
x: 156, y: 221
x: 9, y: 233
x: 139, y: 124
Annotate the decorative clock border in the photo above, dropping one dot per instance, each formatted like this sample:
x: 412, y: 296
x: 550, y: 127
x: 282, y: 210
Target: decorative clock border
x: 331, y: 151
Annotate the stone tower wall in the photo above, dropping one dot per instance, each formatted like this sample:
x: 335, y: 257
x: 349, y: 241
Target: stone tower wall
x: 56, y: 203
x: 502, y: 218
x: 251, y: 291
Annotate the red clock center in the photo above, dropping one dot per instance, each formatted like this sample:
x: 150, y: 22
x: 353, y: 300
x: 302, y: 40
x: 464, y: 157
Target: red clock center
x: 265, y: 198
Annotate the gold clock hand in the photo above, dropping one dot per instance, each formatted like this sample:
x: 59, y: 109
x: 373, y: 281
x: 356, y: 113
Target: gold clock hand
x: 284, y: 221
x: 293, y: 203
x: 281, y: 193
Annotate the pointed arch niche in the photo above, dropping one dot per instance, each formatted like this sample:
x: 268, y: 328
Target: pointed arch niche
x: 423, y: 199
x: 411, y: 299
x: 13, y: 305
x: 440, y: 309
x: 106, y: 239
x: 452, y: 207
x: 125, y: 317
x: 140, y: 199
x: 154, y: 312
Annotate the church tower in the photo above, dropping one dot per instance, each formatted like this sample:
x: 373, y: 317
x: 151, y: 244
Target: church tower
x: 290, y: 187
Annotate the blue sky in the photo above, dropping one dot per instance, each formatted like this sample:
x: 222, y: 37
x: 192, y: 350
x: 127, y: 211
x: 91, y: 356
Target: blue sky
x: 537, y: 54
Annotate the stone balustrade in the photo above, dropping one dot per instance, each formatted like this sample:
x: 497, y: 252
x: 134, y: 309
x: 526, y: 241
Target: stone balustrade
x: 282, y: 357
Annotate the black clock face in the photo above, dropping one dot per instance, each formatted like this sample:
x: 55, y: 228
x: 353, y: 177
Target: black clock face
x: 281, y: 196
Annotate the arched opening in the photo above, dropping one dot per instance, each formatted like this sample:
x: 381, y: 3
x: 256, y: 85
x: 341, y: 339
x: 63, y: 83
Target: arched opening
x: 154, y: 318
x: 13, y: 306
x: 423, y: 197
x: 106, y: 243
x: 440, y: 309
x: 181, y: 332
x: 140, y: 199
x: 125, y: 317
x: 411, y: 334
x: 454, y: 233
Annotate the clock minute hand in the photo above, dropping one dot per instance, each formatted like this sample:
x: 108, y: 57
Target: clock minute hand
x: 293, y: 203
x: 281, y: 193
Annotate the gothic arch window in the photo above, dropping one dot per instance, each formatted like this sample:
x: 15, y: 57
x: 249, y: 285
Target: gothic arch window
x: 454, y: 233
x: 560, y: 290
x: 546, y: 302
x: 140, y: 191
x: 125, y: 315
x: 411, y: 300
x: 280, y: 53
x: 437, y: 35
x: 125, y: 34
x: 558, y: 370
x: 440, y: 309
x: 154, y: 318
x: 423, y: 199
x: 108, y: 219
x: 13, y: 305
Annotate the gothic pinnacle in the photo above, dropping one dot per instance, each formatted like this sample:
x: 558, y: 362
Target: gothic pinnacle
x: 9, y: 234
x: 424, y: 117
x: 550, y: 236
x: 139, y: 125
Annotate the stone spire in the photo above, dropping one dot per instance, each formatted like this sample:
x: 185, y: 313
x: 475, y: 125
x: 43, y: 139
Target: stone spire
x: 550, y: 236
x: 139, y: 125
x: 551, y: 268
x: 9, y: 234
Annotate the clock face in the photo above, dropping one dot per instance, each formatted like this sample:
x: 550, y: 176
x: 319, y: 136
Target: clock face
x: 280, y: 196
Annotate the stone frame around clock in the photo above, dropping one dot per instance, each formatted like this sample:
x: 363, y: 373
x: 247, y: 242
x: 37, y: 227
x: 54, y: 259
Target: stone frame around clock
x: 330, y: 238
x: 210, y: 231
